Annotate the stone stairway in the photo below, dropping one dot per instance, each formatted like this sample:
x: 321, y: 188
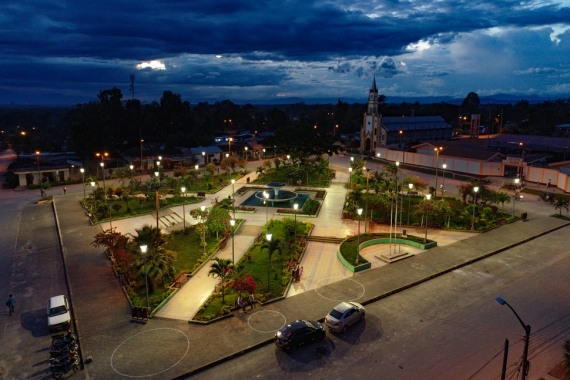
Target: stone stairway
x: 325, y: 239
x: 170, y: 219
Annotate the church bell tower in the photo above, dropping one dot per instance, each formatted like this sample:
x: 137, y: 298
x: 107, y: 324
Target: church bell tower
x: 372, y: 133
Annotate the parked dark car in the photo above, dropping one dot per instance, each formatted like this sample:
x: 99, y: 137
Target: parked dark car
x: 298, y: 333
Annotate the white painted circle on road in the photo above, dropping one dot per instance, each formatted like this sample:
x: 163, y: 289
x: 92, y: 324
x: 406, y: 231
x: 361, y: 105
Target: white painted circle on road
x: 259, y: 314
x: 138, y: 341
x: 344, y: 293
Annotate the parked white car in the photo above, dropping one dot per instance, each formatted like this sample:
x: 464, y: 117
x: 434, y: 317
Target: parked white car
x: 343, y: 315
x: 58, y: 315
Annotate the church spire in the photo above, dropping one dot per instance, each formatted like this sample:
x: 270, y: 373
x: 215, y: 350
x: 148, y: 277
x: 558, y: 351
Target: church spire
x: 374, y: 84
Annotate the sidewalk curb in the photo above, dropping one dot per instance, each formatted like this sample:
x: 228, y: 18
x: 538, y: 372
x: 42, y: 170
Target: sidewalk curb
x: 371, y: 300
x: 67, y: 283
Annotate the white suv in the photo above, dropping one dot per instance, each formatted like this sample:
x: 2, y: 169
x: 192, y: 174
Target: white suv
x: 58, y: 314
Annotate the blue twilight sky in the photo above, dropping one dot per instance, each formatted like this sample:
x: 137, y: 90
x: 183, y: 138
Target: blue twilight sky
x: 65, y: 52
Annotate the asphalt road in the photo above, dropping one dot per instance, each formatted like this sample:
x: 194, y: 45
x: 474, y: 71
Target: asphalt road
x: 448, y: 328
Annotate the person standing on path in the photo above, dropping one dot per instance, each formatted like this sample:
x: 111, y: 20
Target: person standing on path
x: 10, y: 303
x: 64, y: 190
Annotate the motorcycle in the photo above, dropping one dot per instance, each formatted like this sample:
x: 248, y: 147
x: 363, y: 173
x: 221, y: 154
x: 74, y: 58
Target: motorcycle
x: 63, y: 357
x: 63, y: 349
x: 59, y: 371
x: 60, y: 338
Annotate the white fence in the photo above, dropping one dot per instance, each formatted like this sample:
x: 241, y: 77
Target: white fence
x: 475, y: 167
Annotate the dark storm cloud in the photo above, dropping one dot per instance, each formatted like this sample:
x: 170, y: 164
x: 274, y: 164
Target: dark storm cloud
x: 265, y: 44
x: 301, y: 29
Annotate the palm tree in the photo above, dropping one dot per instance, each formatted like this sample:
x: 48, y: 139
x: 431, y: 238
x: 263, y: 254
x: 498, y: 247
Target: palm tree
x: 503, y: 198
x: 149, y: 236
x: 561, y: 203
x: 221, y: 268
x: 156, y: 266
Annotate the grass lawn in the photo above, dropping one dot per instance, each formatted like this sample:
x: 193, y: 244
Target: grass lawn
x: 279, y: 175
x: 187, y: 248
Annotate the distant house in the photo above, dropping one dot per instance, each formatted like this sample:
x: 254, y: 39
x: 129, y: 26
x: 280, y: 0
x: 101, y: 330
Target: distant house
x: 207, y: 154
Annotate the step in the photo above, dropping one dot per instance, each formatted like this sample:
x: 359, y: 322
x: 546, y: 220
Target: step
x: 325, y: 239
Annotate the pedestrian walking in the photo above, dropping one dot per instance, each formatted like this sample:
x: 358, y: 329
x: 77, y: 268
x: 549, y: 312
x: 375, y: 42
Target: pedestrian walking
x: 64, y: 190
x: 300, y: 272
x: 548, y: 184
x: 10, y: 303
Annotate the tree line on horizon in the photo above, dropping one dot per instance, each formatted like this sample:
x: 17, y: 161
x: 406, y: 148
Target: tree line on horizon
x: 114, y: 124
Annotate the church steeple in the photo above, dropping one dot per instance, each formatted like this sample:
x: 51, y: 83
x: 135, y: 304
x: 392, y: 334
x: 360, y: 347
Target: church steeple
x: 372, y: 133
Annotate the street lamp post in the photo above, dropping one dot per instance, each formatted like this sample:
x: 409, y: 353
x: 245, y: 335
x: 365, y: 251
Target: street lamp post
x: 230, y: 145
x: 233, y: 223
x: 377, y: 164
x: 143, y: 250
x: 228, y: 164
x: 437, y: 150
x: 428, y: 197
x: 411, y: 186
x: 266, y: 196
x: 296, y: 206
x: 94, y: 197
x: 350, y: 178
x: 515, y: 194
x: 443, y: 180
x: 475, y: 190
x: 234, y: 197
x: 359, y: 211
x: 268, y: 237
x: 204, y: 158
x: 39, y: 172
x: 264, y: 153
x: 203, y: 208
x: 83, y: 180
x: 104, y: 186
x: 525, y: 363
x: 245, y: 153
x: 183, y: 209
x: 366, y: 204
x: 196, y: 167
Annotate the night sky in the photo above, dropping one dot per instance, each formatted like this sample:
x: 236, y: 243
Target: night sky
x: 65, y: 52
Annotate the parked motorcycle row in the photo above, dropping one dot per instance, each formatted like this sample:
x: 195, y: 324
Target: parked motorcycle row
x: 64, y: 356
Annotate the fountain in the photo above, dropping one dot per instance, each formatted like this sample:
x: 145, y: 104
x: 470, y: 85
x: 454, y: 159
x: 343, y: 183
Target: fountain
x: 276, y: 197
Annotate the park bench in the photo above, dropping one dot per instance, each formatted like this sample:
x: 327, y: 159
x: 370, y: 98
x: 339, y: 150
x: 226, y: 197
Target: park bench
x: 180, y: 279
x: 201, y: 194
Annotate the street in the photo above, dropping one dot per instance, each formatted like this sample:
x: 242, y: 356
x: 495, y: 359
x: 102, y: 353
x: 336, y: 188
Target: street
x: 448, y: 328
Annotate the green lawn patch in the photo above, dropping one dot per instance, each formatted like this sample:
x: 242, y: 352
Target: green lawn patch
x: 188, y: 250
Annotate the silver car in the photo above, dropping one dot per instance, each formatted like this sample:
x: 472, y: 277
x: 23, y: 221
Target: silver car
x: 343, y: 315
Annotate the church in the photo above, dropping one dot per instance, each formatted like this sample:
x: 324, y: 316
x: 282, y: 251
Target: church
x: 399, y: 132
